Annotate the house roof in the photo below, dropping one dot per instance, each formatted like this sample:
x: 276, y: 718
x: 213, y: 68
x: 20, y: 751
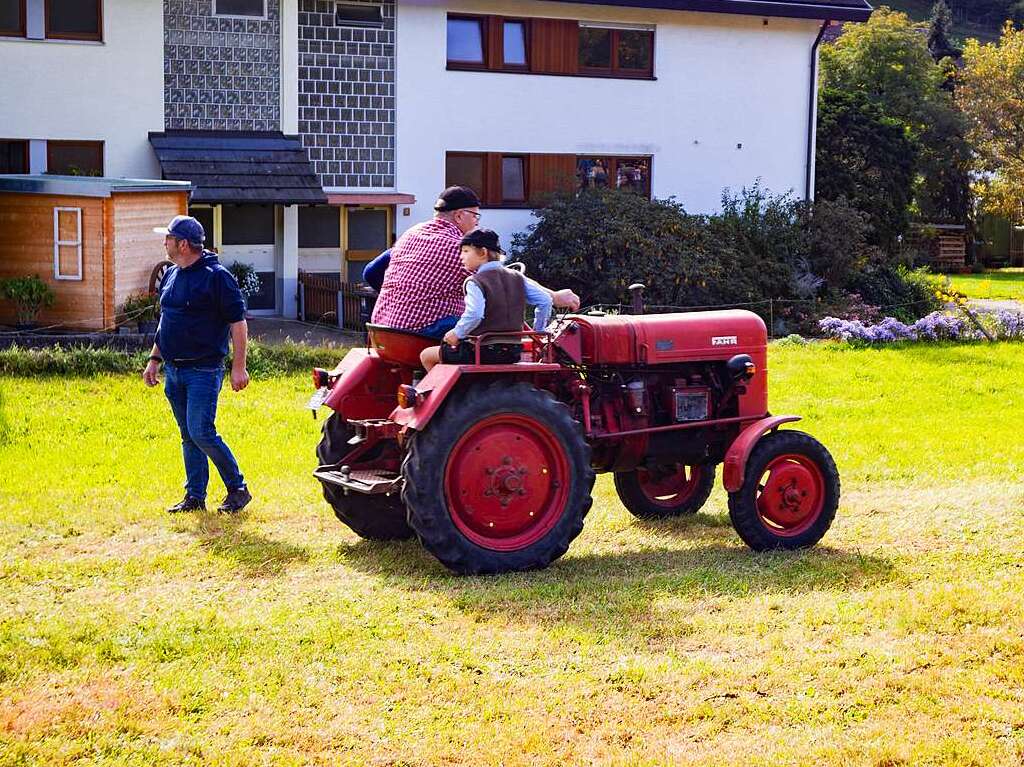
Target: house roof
x: 834, y: 10
x: 85, y: 186
x: 239, y: 166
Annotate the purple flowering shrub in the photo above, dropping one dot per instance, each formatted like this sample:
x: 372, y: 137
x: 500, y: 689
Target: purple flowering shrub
x: 937, y: 326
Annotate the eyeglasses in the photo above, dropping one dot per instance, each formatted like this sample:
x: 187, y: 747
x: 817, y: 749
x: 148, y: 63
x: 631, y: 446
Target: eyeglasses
x: 474, y: 213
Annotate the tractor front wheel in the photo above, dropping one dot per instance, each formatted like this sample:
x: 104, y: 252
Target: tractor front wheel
x: 789, y: 495
x: 668, y: 492
x: 376, y: 517
x: 500, y: 480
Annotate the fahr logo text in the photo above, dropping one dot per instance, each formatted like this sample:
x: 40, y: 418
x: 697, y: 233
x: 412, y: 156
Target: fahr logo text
x: 724, y: 341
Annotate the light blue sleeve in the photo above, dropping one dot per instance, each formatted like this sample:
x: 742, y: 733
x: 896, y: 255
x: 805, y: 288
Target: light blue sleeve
x: 537, y: 296
x: 474, y: 313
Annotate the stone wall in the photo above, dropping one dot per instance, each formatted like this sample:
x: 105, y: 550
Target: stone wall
x: 347, y: 96
x: 221, y: 73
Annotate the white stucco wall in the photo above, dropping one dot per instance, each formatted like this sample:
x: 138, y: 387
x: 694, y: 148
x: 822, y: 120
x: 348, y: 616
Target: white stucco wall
x: 111, y: 91
x: 722, y: 80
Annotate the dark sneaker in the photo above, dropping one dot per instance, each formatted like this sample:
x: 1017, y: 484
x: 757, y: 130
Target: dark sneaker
x: 236, y: 501
x: 188, y: 503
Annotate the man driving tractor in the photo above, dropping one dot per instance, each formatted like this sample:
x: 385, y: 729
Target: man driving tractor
x: 423, y: 285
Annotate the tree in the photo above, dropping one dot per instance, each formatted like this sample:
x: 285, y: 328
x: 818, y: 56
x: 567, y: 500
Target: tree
x: 868, y: 159
x: 940, y: 28
x: 888, y: 62
x: 990, y: 91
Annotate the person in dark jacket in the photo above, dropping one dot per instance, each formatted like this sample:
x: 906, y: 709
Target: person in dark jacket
x: 200, y: 307
x: 496, y: 300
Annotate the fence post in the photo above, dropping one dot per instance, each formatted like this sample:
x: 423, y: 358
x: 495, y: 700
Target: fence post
x: 302, y: 300
x: 341, y: 309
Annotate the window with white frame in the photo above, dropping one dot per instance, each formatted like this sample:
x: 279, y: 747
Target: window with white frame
x: 253, y: 9
x: 67, y: 243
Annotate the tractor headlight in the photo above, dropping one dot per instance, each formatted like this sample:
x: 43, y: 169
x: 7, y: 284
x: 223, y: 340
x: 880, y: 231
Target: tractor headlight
x: 741, y: 367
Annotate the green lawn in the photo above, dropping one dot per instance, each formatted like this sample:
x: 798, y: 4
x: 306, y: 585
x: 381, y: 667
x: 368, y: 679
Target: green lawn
x: 997, y: 283
x: 129, y: 637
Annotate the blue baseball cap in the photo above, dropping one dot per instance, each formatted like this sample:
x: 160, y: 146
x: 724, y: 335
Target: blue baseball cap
x: 184, y: 228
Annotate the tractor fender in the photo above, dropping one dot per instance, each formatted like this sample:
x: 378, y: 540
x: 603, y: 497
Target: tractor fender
x: 365, y: 386
x: 432, y: 391
x: 735, y: 464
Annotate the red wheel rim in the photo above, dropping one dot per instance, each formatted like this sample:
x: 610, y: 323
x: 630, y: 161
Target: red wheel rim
x: 672, y: 489
x: 790, y: 495
x: 507, y: 482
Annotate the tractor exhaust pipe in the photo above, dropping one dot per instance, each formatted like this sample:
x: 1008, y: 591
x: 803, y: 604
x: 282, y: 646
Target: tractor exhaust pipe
x: 636, y: 290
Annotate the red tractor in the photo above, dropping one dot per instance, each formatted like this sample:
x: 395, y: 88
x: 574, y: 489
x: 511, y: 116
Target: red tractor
x: 492, y: 466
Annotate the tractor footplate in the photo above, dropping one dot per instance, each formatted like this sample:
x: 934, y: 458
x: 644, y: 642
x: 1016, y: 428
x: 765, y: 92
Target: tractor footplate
x: 380, y: 428
x: 365, y: 481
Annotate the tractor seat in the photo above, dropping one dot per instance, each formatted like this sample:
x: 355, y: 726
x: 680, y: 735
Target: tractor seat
x: 401, y: 347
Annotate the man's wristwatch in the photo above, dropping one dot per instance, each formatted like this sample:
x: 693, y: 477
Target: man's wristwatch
x: 154, y: 358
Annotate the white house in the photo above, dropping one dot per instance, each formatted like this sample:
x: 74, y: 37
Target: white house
x: 314, y: 132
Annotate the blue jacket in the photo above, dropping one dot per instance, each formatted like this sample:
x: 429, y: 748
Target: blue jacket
x: 197, y: 304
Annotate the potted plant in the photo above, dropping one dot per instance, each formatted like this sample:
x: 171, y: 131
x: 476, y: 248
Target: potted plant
x: 144, y: 308
x: 30, y: 295
x: 248, y: 280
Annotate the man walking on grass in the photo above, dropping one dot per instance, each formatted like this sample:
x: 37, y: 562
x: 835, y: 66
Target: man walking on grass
x: 200, y: 306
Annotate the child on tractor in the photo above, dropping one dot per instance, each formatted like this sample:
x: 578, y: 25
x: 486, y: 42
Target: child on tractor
x: 496, y: 299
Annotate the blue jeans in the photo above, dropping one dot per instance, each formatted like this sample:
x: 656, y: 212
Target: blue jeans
x: 193, y: 394
x: 438, y: 328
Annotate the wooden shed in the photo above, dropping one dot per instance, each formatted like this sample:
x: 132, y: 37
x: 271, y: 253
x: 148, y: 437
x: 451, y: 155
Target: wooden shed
x: 90, y: 238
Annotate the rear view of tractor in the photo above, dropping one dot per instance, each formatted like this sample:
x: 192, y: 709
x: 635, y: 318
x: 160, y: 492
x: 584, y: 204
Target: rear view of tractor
x: 492, y: 466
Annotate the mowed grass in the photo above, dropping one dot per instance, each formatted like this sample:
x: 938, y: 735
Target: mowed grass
x: 130, y: 637
x: 1005, y: 284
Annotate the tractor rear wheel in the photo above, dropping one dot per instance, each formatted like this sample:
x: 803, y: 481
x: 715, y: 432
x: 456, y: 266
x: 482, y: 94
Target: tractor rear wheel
x: 674, y: 491
x: 377, y: 517
x: 500, y: 480
x: 789, y: 495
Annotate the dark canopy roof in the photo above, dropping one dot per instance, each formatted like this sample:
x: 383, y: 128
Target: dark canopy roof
x: 239, y: 167
x: 835, y: 10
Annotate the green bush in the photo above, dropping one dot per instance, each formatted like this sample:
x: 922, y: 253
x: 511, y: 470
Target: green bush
x: 906, y: 294
x: 761, y: 246
x: 140, y: 307
x: 29, y: 294
x: 263, y: 361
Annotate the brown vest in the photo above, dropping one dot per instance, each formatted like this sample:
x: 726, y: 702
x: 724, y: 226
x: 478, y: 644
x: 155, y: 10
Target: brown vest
x: 505, y: 294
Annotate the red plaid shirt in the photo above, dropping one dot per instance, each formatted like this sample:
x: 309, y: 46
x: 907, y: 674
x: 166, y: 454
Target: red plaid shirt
x: 424, y: 280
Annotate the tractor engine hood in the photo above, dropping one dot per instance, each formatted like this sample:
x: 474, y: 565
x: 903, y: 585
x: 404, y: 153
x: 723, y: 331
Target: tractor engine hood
x: 657, y: 339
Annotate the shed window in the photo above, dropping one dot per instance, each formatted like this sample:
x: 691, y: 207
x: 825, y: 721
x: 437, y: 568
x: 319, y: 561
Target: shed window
x: 67, y: 243
x: 74, y: 19
x: 12, y: 18
x: 74, y: 158
x: 13, y: 156
x: 359, y: 15
x: 256, y: 9
x: 465, y: 40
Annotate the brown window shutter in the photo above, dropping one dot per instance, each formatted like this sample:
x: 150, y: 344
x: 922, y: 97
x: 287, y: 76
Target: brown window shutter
x: 554, y: 46
x: 492, y: 194
x: 551, y: 173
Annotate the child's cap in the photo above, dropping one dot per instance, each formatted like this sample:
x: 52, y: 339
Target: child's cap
x: 483, y: 238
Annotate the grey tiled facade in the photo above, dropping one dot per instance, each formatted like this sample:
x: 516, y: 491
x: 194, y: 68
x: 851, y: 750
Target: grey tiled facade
x: 347, y: 96
x: 221, y: 73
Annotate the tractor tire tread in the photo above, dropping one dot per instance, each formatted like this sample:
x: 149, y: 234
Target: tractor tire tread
x: 627, y: 486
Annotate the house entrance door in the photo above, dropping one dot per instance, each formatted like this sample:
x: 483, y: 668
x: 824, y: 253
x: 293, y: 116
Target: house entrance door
x: 367, y: 232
